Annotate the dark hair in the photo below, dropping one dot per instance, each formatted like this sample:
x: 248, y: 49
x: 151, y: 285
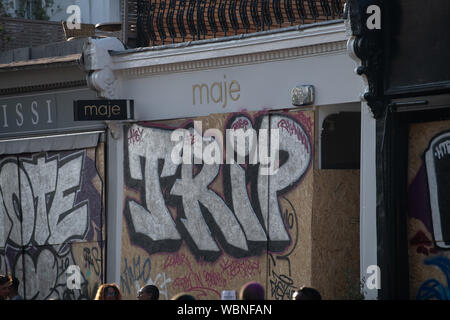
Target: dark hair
x: 306, y: 293
x: 4, y: 280
x: 152, y: 290
x: 182, y: 296
x: 252, y: 291
x: 15, y: 283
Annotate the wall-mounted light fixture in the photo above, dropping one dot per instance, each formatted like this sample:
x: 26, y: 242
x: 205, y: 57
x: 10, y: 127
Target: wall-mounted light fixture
x: 302, y: 95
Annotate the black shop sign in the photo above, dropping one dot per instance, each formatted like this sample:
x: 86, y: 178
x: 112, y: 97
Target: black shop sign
x: 101, y: 110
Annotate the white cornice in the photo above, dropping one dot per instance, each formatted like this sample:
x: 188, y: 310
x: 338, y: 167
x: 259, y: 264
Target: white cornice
x: 325, y: 39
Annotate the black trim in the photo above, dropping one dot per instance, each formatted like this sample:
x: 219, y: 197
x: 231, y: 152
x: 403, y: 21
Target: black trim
x: 43, y: 87
x: 422, y: 102
x: 391, y: 170
x: 392, y: 241
x: 396, y: 24
x: 368, y: 46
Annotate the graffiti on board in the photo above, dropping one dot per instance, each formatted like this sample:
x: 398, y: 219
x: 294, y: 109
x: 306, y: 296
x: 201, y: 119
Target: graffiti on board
x: 428, y: 209
x: 211, y: 226
x: 202, y: 280
x: 433, y: 289
x: 437, y: 161
x: 427, y: 196
x: 282, y: 285
x: 237, y: 221
x: 48, y: 201
x: 136, y: 273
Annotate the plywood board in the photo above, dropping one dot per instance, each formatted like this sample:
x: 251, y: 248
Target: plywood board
x: 202, y: 229
x: 61, y: 197
x: 429, y: 262
x: 335, y: 234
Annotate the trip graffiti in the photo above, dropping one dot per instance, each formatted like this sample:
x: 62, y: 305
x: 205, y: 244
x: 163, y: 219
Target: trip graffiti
x: 238, y: 222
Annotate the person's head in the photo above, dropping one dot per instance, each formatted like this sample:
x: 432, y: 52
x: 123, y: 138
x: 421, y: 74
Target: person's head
x: 14, y: 287
x: 252, y: 291
x: 148, y: 292
x: 108, y: 291
x: 5, y: 283
x: 182, y: 296
x: 306, y: 293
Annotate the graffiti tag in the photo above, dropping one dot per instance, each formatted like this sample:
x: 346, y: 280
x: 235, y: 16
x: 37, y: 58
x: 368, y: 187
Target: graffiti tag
x: 239, y: 222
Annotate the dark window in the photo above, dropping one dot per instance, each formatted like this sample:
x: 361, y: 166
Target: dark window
x: 341, y: 141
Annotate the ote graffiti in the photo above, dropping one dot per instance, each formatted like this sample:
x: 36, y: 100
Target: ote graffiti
x: 38, y: 199
x: 243, y: 222
x: 47, y: 201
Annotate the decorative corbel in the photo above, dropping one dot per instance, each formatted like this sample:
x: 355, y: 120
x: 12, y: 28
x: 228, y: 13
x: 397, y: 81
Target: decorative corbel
x: 98, y: 64
x: 104, y: 82
x: 115, y: 128
x: 366, y: 47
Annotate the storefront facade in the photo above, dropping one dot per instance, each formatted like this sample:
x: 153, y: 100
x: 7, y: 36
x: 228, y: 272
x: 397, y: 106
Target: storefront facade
x: 407, y: 92
x: 128, y: 213
x: 52, y: 208
x: 206, y: 228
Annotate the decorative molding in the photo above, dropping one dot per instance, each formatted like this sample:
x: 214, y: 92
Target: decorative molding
x: 236, y: 60
x: 104, y: 82
x: 97, y: 62
x: 366, y: 47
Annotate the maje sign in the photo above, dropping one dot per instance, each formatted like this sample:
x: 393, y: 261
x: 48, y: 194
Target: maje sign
x: 98, y: 110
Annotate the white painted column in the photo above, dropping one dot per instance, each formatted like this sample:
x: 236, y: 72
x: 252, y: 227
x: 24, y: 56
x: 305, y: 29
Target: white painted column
x: 114, y: 196
x: 368, y: 203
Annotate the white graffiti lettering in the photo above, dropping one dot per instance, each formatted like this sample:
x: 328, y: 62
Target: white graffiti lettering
x: 38, y: 198
x: 247, y: 215
x: 45, y: 274
x: 195, y: 191
x: 153, y: 220
x: 45, y: 203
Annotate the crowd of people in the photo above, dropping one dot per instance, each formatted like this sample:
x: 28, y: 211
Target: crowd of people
x: 249, y: 291
x: 9, y: 287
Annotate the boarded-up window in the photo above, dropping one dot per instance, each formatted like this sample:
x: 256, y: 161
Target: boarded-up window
x: 52, y: 217
x: 341, y: 139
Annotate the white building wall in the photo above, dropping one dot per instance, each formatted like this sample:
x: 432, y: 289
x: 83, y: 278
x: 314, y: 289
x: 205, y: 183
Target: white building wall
x: 368, y: 205
x: 161, y: 84
x: 265, y: 69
